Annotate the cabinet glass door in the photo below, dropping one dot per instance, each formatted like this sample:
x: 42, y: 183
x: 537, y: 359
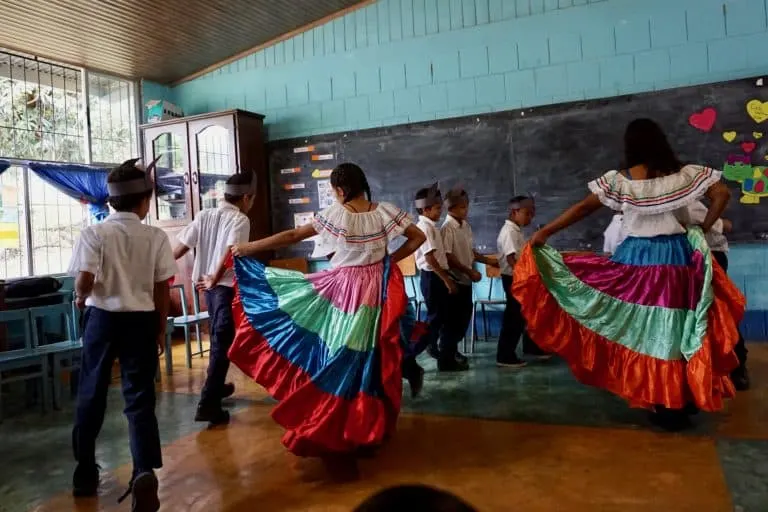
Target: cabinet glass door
x: 214, y: 159
x: 172, y: 189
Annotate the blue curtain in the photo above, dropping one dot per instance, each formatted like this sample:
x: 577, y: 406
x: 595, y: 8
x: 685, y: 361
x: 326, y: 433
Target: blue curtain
x: 81, y: 182
x: 4, y: 164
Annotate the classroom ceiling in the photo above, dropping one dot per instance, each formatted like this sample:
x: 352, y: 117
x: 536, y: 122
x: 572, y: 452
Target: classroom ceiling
x: 160, y: 40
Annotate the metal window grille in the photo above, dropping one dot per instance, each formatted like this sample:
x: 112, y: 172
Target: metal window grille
x: 43, y: 116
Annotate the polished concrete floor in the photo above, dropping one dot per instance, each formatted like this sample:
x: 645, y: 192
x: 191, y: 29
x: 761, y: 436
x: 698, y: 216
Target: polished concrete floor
x: 504, y: 440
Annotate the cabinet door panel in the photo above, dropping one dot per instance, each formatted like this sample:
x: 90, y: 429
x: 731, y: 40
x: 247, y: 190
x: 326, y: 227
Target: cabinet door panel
x: 172, y: 202
x: 214, y: 160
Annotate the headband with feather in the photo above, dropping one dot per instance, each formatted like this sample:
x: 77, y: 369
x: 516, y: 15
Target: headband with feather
x: 455, y: 197
x: 241, y: 190
x: 433, y: 197
x: 135, y: 186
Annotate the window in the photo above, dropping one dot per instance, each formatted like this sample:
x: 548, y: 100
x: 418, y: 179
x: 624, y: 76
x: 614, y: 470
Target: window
x: 43, y: 116
x: 13, y: 247
x: 42, y: 113
x: 41, y: 110
x: 55, y: 221
x: 113, y: 118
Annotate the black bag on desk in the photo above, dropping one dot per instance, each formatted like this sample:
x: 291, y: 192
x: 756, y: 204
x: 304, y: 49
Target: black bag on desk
x: 31, y: 287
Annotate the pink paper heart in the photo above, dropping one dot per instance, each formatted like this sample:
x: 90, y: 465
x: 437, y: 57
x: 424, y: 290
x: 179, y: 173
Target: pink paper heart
x: 704, y: 120
x: 748, y: 147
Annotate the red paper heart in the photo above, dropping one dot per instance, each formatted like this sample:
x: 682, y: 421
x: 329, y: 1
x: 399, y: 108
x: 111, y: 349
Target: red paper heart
x: 748, y: 147
x: 704, y: 120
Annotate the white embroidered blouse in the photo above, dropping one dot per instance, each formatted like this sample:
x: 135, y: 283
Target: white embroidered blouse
x: 651, y: 207
x: 358, y: 238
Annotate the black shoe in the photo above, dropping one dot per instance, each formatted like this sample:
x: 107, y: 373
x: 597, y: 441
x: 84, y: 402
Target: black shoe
x: 433, y: 352
x: 671, y: 420
x: 414, y: 374
x: 214, y: 415
x: 740, y: 378
x: 451, y: 365
x: 461, y: 357
x: 228, y: 390
x: 512, y: 363
x: 85, y: 481
x: 144, y: 490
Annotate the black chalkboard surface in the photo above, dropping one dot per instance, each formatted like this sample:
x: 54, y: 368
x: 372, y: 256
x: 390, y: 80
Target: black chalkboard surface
x: 550, y: 152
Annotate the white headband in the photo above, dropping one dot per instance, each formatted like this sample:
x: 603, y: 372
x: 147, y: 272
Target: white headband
x: 136, y: 186
x: 241, y: 190
x: 433, y: 197
x: 455, y: 196
x: 522, y: 203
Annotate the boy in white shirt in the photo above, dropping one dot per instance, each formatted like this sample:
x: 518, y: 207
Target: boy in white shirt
x: 211, y: 234
x: 122, y: 269
x: 718, y: 244
x: 509, y: 244
x: 461, y: 256
x: 614, y: 234
x: 436, y: 283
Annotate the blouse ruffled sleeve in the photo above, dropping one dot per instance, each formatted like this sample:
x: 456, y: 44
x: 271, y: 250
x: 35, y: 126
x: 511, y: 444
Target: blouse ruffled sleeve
x: 658, y: 195
x: 329, y: 225
x: 395, y: 220
x: 607, y: 188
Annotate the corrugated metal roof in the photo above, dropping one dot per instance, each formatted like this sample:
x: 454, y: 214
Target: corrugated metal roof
x: 161, y: 40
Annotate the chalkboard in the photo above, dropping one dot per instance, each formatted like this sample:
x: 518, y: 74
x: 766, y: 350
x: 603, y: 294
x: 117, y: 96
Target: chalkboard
x: 550, y: 152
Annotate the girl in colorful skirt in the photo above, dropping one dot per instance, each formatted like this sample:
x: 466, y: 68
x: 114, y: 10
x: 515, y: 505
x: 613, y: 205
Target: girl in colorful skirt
x: 656, y: 323
x: 327, y: 345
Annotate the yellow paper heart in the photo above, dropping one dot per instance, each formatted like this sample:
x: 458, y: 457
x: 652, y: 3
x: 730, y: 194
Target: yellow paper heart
x: 758, y: 110
x: 729, y: 136
x: 757, y: 135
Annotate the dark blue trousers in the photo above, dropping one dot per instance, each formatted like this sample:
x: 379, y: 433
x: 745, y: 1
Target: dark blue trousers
x: 222, y: 328
x: 457, y: 311
x: 131, y: 338
x: 435, y: 298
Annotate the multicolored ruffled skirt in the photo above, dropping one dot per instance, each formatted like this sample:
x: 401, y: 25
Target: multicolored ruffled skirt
x: 655, y: 324
x: 327, y: 346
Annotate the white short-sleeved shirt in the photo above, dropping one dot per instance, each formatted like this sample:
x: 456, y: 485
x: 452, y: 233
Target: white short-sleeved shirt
x: 127, y: 258
x: 458, y: 240
x: 357, y: 239
x: 694, y: 214
x: 614, y: 234
x: 433, y: 244
x: 509, y: 241
x: 211, y: 234
x: 649, y: 206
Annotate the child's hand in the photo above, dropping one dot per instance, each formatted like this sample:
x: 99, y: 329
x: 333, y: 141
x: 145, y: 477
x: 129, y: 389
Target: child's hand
x: 451, y: 286
x: 539, y: 238
x: 475, y: 276
x: 161, y: 344
x: 240, y: 250
x: 206, y: 283
x: 80, y: 303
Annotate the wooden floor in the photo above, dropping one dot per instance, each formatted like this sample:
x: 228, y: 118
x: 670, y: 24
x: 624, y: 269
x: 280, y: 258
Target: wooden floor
x: 496, y: 465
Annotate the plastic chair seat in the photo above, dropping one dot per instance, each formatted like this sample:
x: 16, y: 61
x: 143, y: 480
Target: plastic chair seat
x: 190, y: 319
x: 491, y: 302
x: 60, y: 347
x: 15, y: 359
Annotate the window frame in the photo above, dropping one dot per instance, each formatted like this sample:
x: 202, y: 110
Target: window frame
x: 134, y: 89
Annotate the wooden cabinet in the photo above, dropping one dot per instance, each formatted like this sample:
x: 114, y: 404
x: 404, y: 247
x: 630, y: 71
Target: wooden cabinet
x: 197, y: 155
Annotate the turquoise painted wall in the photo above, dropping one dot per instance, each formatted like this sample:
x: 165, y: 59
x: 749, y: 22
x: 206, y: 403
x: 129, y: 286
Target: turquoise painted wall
x: 404, y: 61
x: 154, y: 91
